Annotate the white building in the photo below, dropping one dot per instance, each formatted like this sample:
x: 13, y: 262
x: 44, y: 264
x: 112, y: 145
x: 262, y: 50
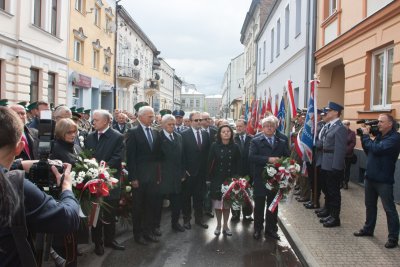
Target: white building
x: 136, y: 61
x: 34, y: 50
x: 177, y: 92
x: 191, y: 99
x: 166, y: 73
x: 213, y: 105
x: 285, y: 50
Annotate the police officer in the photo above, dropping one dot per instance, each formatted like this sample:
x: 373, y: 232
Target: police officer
x: 179, y: 114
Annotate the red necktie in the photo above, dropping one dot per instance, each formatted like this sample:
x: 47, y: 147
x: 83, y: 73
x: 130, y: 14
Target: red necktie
x: 26, y: 147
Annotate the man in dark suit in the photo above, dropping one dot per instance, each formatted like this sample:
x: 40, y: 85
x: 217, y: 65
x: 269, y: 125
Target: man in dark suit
x: 35, y: 109
x: 242, y: 139
x: 121, y: 125
x: 108, y: 145
x: 196, y: 144
x: 266, y: 148
x: 29, y: 136
x: 142, y: 157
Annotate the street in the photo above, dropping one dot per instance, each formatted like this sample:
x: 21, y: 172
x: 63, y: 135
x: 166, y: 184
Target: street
x: 198, y: 247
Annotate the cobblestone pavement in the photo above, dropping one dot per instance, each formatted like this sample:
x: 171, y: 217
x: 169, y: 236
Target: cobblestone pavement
x: 319, y: 246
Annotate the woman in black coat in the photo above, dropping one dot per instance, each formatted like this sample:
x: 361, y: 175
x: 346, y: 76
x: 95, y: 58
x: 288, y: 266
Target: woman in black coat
x: 224, y: 162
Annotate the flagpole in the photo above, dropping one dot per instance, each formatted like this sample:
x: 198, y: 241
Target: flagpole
x: 313, y: 163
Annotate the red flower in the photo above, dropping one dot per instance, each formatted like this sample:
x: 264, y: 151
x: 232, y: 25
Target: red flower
x: 226, y: 183
x: 277, y: 165
x: 292, y: 162
x: 80, y: 186
x: 236, y: 186
x: 102, y: 176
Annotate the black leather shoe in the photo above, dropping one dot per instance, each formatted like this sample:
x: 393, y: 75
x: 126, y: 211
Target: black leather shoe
x: 319, y: 210
x: 325, y: 219
x: 248, y: 219
x: 303, y: 199
x: 362, y: 232
x: 332, y: 222
x: 178, y: 228
x: 202, y: 224
x: 257, y: 235
x: 272, y: 234
x: 391, y: 243
x: 151, y: 238
x: 157, y: 232
x: 209, y: 214
x: 141, y: 241
x: 307, y: 203
x: 187, y: 225
x: 323, y: 214
x: 311, y: 206
x: 99, y: 249
x: 114, y: 245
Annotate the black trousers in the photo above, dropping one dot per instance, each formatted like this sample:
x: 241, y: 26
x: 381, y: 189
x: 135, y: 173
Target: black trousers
x: 175, y: 200
x: 333, y: 197
x: 347, y: 170
x: 145, y: 199
x: 271, y: 218
x: 105, y: 223
x: 320, y: 182
x: 193, y: 187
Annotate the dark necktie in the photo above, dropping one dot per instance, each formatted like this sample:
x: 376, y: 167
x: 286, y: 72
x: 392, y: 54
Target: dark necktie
x: 270, y: 141
x: 198, y: 139
x: 242, y: 141
x: 171, y: 137
x: 100, y: 134
x: 149, y: 137
x: 178, y: 128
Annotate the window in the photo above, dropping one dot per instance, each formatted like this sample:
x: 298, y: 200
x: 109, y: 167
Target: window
x: 332, y: 7
x: 278, y: 37
x: 37, y: 11
x: 197, y: 103
x: 272, y: 45
x: 298, y: 17
x: 51, y: 88
x: 79, y: 5
x: 259, y: 60
x: 54, y: 17
x: 107, y: 65
x: 381, y: 84
x: 108, y: 24
x: 34, y: 86
x: 265, y: 53
x: 287, y: 21
x: 191, y: 102
x: 95, y: 59
x: 97, y: 16
x: 78, y: 51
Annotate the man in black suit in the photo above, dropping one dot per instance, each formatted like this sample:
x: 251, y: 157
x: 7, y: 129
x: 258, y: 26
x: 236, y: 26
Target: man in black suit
x: 108, y: 145
x: 196, y: 144
x: 266, y: 148
x: 29, y: 136
x: 242, y: 139
x: 142, y: 157
x: 121, y: 125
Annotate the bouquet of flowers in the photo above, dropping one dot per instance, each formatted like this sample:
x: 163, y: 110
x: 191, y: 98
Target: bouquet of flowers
x: 125, y: 202
x: 281, y: 177
x: 237, y: 193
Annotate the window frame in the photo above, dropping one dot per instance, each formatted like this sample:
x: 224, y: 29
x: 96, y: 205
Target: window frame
x: 278, y: 37
x: 287, y: 26
x: 272, y: 44
x: 298, y: 18
x: 37, y: 13
x: 95, y: 59
x: 332, y: 7
x: 51, y: 88
x: 54, y: 18
x: 97, y: 15
x: 80, y: 50
x: 34, y: 85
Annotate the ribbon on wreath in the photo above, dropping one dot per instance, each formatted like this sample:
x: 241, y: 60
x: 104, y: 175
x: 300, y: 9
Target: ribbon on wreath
x: 275, y: 202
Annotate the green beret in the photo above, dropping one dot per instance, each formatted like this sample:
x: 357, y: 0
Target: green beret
x: 80, y: 110
x: 139, y: 105
x: 76, y: 115
x: 32, y: 106
x: 3, y: 102
x: 165, y: 111
x: 87, y: 111
x: 73, y: 109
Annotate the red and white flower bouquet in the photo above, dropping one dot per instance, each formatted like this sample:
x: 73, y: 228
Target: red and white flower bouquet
x: 237, y: 193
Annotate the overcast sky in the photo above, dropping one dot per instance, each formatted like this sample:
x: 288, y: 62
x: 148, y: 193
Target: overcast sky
x: 197, y: 38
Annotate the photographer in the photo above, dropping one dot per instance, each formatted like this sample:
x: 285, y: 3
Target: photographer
x: 382, y: 153
x: 22, y: 205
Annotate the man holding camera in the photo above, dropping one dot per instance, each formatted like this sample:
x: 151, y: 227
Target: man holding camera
x: 382, y: 154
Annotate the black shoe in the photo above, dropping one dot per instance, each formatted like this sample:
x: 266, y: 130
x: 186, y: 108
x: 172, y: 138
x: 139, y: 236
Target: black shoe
x: 235, y: 219
x: 320, y: 210
x: 178, y: 228
x: 296, y: 193
x: 157, y: 232
x: 141, y: 241
x: 311, y: 206
x: 325, y: 219
x: 332, y: 222
x: 257, y: 235
x: 303, y: 199
x: 201, y: 224
x: 323, y: 214
x: 272, y: 234
x: 99, y: 249
x: 187, y: 225
x: 151, y: 238
x: 209, y: 214
x: 248, y: 219
x: 114, y: 245
x: 307, y: 203
x: 362, y: 232
x: 391, y: 243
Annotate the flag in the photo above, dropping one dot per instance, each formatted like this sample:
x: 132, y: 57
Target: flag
x: 262, y: 114
x: 281, y: 116
x: 291, y: 98
x: 251, y: 118
x: 246, y: 112
x: 288, y: 117
x: 310, y: 125
x: 276, y: 105
x: 269, y: 103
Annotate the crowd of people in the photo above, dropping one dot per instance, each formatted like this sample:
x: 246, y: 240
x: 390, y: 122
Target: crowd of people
x: 185, y: 159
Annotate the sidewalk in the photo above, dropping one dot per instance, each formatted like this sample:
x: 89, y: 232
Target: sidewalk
x: 319, y: 246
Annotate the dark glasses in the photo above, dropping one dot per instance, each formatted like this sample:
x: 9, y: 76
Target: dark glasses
x: 197, y: 120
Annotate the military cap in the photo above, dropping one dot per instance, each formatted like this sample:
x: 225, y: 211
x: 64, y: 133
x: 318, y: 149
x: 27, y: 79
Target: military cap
x: 3, y: 102
x: 87, y: 111
x: 76, y: 115
x: 32, y: 106
x: 80, y: 110
x: 73, y: 109
x: 23, y: 103
x: 334, y: 106
x: 320, y: 111
x: 178, y: 113
x: 139, y: 105
x: 165, y: 111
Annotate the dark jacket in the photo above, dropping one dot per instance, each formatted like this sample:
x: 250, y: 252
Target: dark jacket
x: 244, y: 152
x: 33, y: 143
x: 172, y: 170
x: 224, y: 163
x: 212, y: 133
x: 382, y: 154
x: 195, y: 158
x: 351, y: 143
x: 260, y: 151
x: 64, y: 151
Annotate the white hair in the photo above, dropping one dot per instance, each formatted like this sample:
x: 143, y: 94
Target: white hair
x: 104, y: 113
x: 270, y: 119
x: 145, y: 109
x: 167, y: 117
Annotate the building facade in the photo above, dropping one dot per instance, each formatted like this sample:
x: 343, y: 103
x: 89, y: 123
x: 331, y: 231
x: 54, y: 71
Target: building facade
x: 212, y: 105
x: 357, y: 60
x: 191, y: 99
x: 34, y: 50
x: 167, y: 83
x: 177, y: 92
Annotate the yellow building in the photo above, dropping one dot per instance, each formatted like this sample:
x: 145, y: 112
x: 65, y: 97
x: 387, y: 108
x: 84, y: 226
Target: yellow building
x: 91, y: 52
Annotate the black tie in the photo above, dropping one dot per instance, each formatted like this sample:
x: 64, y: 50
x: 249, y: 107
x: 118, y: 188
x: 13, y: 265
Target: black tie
x: 198, y: 139
x: 178, y: 128
x: 171, y: 137
x: 149, y: 137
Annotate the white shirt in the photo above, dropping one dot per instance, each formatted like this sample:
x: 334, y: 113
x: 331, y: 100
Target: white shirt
x: 195, y: 134
x: 167, y: 134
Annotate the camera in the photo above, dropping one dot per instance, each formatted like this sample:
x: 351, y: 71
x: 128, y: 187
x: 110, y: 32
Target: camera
x: 373, y: 130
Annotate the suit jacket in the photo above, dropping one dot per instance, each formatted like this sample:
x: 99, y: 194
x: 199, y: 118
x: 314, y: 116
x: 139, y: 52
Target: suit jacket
x: 171, y: 164
x: 212, y: 133
x: 110, y: 148
x: 124, y: 129
x: 142, y: 161
x: 244, y: 152
x: 181, y: 129
x: 195, y: 158
x: 259, y: 153
x: 33, y: 143
x: 334, y: 147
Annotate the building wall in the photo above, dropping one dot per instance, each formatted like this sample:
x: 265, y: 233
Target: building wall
x: 212, y: 105
x: 166, y: 85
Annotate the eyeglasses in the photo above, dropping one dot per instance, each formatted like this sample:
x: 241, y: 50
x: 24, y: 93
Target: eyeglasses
x: 197, y: 120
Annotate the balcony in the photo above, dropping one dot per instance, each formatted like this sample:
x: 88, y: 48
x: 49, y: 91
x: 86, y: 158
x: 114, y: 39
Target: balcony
x: 151, y: 87
x: 128, y: 73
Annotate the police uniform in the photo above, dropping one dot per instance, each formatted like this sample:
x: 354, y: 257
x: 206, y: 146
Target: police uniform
x: 179, y: 113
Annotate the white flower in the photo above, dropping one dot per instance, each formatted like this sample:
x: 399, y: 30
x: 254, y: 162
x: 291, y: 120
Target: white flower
x: 74, y: 183
x: 81, y: 174
x: 85, y: 166
x: 73, y: 173
x: 79, y: 158
x: 271, y: 171
x: 79, y: 180
x: 128, y: 188
x: 81, y: 138
x: 268, y: 186
x: 297, y: 167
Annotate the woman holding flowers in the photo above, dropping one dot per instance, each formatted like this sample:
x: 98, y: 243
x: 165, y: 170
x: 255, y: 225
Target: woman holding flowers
x: 267, y: 147
x: 223, y: 163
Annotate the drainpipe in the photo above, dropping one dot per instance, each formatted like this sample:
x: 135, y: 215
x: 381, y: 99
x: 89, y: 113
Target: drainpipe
x: 115, y: 54
x: 308, y: 56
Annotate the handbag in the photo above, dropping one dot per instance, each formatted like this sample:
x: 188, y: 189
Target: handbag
x: 353, y: 159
